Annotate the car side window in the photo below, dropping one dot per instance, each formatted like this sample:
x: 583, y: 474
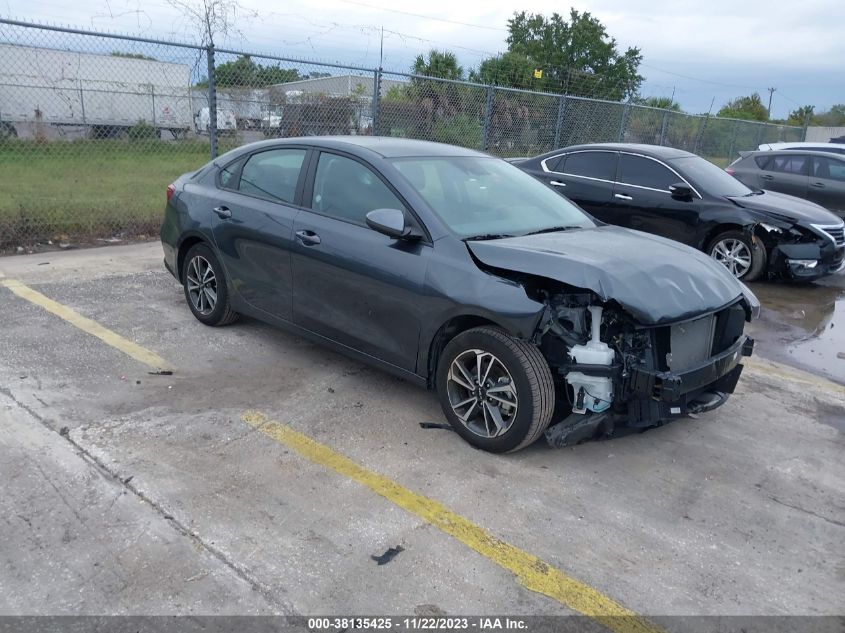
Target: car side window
x: 556, y: 163
x: 272, y: 174
x: 828, y: 169
x: 763, y: 162
x: 347, y: 190
x: 644, y: 172
x: 795, y: 164
x: 600, y: 165
x: 228, y: 174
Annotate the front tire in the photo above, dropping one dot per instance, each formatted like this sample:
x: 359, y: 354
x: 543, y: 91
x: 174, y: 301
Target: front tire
x: 204, y: 283
x: 744, y: 256
x: 496, y: 391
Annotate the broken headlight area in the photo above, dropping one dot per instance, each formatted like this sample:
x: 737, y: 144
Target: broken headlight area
x: 611, y: 371
x: 795, y: 252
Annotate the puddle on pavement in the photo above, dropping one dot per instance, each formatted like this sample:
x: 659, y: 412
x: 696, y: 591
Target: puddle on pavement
x: 804, y: 325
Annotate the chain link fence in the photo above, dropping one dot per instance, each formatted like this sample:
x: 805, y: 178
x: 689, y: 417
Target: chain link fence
x: 94, y: 126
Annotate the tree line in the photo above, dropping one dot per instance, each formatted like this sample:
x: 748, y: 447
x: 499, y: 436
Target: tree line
x: 560, y: 54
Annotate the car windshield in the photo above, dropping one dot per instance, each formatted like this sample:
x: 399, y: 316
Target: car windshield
x: 707, y: 177
x: 479, y: 196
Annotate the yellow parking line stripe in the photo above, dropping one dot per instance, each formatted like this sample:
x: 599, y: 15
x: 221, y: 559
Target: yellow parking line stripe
x: 86, y: 325
x: 779, y: 370
x: 532, y: 572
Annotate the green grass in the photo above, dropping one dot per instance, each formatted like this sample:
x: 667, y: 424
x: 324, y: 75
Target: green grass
x: 88, y: 189
x: 80, y: 190
x: 719, y: 161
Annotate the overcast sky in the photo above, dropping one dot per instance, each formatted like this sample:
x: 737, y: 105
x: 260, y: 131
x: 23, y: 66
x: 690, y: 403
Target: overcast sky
x: 698, y: 49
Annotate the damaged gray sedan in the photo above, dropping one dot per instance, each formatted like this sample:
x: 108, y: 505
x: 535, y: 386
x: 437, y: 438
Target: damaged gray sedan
x: 461, y: 273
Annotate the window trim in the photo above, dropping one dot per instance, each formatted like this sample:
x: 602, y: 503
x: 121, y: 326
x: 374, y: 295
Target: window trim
x: 311, y: 178
x: 617, y: 182
x: 659, y: 162
x: 246, y: 157
x: 581, y: 151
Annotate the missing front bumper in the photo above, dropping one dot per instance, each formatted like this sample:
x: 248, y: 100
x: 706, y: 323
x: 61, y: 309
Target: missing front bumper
x: 671, y: 386
x: 653, y: 398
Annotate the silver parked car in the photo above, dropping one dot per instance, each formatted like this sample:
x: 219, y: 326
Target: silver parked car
x: 815, y: 176
x: 834, y: 147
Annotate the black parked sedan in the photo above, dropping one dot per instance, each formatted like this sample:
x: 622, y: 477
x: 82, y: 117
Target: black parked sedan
x: 459, y: 272
x: 681, y: 196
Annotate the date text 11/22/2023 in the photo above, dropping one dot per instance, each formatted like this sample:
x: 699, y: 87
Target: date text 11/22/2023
x: 417, y: 623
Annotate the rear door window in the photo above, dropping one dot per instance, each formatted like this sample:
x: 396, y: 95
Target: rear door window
x: 228, y: 177
x: 272, y: 174
x: 555, y: 163
x: 644, y: 172
x: 600, y: 165
x: 795, y: 164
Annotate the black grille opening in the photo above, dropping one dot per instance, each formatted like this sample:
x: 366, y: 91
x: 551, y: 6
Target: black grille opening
x: 730, y: 323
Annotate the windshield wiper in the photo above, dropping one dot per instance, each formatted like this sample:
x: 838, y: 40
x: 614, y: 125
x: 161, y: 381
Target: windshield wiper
x: 488, y: 236
x: 555, y: 229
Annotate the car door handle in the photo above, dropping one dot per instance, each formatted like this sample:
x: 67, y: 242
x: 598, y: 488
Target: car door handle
x: 622, y: 196
x: 308, y: 238
x: 557, y: 183
x: 223, y: 212
x: 817, y: 185
x: 767, y: 177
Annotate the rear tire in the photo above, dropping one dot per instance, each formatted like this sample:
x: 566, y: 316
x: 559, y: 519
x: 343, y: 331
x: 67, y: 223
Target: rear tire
x: 742, y: 255
x: 206, y: 290
x: 521, y: 398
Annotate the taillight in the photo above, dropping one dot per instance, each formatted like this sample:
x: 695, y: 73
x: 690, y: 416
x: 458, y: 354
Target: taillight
x: 729, y: 170
x: 171, y: 189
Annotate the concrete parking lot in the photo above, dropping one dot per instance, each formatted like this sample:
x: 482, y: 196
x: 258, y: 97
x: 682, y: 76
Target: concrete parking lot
x: 230, y: 486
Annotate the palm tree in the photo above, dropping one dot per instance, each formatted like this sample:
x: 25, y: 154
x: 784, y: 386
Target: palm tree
x: 441, y: 64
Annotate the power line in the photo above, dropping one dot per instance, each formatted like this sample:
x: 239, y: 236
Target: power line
x: 425, y: 17
x: 707, y: 81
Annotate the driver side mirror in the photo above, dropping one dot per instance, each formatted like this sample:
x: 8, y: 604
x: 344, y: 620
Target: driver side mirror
x: 681, y: 191
x: 391, y: 222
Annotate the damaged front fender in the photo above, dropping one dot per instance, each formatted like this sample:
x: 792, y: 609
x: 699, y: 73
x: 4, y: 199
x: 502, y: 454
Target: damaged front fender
x: 654, y: 279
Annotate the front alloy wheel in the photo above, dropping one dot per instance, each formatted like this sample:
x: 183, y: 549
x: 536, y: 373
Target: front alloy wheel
x: 496, y: 390
x: 734, y: 255
x: 742, y: 255
x: 482, y: 393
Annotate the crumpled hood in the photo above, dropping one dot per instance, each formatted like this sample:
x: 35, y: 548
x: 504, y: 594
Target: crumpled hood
x: 654, y: 279
x: 786, y: 207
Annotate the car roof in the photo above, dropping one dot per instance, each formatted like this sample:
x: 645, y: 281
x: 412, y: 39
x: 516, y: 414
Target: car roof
x: 657, y: 151
x: 385, y: 146
x: 793, y: 152
x: 798, y: 145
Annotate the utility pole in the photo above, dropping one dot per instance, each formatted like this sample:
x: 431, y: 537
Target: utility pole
x: 769, y: 109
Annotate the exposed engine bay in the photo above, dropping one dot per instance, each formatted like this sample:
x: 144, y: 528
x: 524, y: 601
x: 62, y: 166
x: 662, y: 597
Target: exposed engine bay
x: 611, y: 371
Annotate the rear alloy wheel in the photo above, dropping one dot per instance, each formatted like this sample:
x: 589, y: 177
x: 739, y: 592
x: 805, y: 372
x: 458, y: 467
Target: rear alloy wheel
x: 743, y: 256
x: 205, y: 287
x: 496, y: 390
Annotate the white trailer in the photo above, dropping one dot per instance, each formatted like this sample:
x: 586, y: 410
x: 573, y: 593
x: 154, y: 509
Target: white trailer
x: 106, y: 94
